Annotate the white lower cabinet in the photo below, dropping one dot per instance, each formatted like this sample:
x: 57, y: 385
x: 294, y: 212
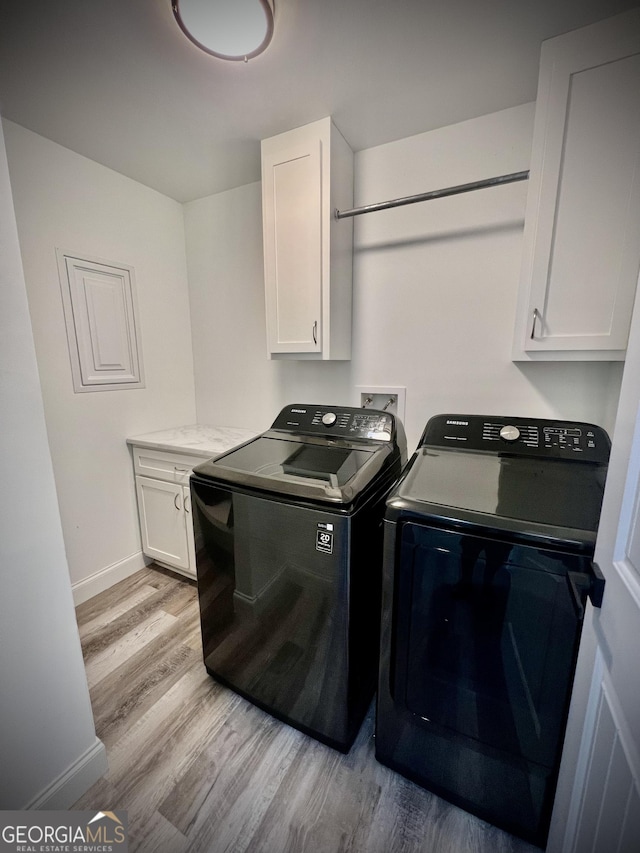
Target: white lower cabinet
x: 165, y: 523
x: 164, y: 507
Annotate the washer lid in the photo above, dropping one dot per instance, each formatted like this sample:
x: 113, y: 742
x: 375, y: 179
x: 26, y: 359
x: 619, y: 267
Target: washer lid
x: 548, y: 498
x: 327, y: 470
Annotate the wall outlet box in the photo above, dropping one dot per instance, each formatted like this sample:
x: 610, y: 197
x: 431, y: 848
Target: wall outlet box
x: 388, y: 398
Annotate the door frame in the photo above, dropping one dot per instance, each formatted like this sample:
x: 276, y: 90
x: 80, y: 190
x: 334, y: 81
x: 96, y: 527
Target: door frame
x: 594, y: 687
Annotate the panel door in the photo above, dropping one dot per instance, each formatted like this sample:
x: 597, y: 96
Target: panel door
x: 581, y: 249
x: 292, y: 202
x: 103, y: 330
x: 597, y: 808
x: 163, y: 521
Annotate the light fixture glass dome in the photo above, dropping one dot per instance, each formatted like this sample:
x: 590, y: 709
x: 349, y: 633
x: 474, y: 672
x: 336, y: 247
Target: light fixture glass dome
x: 228, y: 29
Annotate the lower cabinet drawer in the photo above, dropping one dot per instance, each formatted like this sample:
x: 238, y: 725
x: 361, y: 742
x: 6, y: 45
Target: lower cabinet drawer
x: 162, y: 465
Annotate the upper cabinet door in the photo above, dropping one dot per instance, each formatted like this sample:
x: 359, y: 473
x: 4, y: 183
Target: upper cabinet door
x: 307, y: 173
x: 292, y: 179
x: 581, y: 241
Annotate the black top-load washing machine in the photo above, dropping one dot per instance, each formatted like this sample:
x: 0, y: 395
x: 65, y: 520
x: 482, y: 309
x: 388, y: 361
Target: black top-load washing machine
x: 489, y: 540
x: 288, y: 530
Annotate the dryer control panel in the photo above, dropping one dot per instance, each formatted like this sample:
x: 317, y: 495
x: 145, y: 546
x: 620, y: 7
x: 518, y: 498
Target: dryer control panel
x: 519, y: 436
x: 339, y: 421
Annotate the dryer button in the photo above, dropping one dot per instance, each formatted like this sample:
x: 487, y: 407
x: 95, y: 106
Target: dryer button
x: 329, y: 418
x: 510, y: 433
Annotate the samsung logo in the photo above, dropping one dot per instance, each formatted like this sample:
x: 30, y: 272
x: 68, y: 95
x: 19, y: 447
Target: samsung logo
x: 458, y: 423
x: 299, y: 411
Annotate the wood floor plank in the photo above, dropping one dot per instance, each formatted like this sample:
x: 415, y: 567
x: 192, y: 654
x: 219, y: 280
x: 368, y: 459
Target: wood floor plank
x: 119, y: 592
x: 240, y: 757
x: 231, y: 822
x: 116, y: 654
x: 194, y: 639
x: 138, y: 743
x: 157, y: 835
x: 200, y: 770
x: 86, y: 629
x: 291, y: 821
x: 149, y: 675
x: 97, y: 796
x: 207, y: 778
x: 163, y: 744
x: 169, y: 595
x: 184, y: 603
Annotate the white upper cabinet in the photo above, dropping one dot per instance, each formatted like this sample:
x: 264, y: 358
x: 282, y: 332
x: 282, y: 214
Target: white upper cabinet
x: 307, y: 174
x: 581, y: 253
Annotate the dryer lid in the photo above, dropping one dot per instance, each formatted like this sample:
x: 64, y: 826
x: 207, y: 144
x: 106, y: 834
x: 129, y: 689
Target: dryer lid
x: 554, y: 499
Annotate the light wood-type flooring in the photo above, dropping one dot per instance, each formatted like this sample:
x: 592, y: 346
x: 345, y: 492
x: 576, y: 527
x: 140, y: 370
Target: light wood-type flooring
x: 200, y: 769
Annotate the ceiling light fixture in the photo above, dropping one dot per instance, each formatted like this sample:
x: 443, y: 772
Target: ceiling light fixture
x: 229, y: 29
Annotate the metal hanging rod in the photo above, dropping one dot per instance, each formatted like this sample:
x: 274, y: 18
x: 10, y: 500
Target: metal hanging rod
x: 412, y: 199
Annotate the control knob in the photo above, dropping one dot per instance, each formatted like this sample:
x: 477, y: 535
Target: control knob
x: 329, y: 418
x: 510, y: 433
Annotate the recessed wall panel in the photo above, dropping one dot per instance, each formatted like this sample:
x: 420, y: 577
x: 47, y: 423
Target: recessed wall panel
x: 102, y: 327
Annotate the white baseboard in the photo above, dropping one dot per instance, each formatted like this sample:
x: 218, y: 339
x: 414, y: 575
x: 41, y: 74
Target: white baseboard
x: 76, y: 780
x: 104, y: 578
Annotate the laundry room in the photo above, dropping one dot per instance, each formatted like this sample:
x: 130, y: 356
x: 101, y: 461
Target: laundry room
x: 130, y: 148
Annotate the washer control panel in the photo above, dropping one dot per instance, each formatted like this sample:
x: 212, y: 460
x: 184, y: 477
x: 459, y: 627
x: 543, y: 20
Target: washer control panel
x: 338, y: 421
x: 519, y: 436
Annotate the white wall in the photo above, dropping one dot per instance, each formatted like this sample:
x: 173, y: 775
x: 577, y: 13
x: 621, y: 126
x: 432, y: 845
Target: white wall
x: 435, y: 289
x: 49, y: 753
x: 236, y: 384
x: 436, y: 283
x: 66, y: 201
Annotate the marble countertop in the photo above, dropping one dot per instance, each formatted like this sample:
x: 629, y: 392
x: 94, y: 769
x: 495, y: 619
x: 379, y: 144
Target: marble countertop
x: 196, y: 439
